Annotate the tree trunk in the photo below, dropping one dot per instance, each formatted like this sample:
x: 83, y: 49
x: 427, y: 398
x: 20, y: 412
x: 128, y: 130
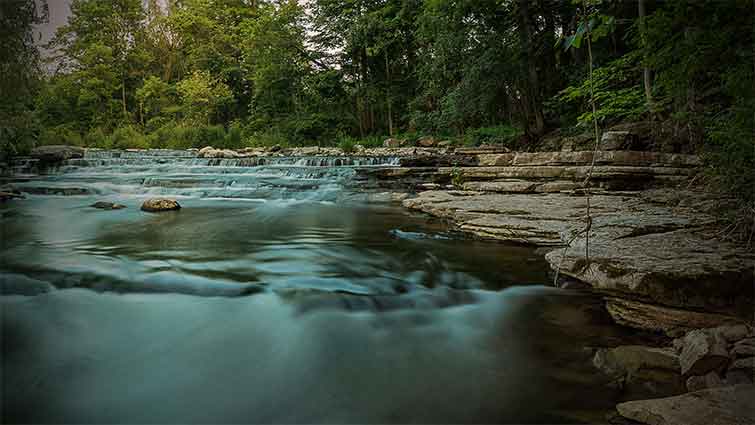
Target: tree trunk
x: 388, y: 99
x: 123, y: 98
x: 535, y: 121
x: 645, y: 69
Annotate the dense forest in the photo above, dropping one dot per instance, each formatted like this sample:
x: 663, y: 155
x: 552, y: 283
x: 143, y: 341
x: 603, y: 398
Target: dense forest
x: 232, y: 73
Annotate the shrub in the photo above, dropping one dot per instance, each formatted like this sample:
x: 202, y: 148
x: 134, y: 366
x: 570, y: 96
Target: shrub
x: 497, y: 135
x: 347, y: 144
x: 97, y: 138
x: 60, y: 135
x: 128, y: 137
x: 234, y: 137
x: 618, y: 94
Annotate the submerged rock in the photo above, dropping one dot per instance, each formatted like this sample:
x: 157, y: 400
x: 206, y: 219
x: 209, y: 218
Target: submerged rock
x: 160, y: 204
x: 725, y: 405
x: 10, y: 194
x: 107, y: 205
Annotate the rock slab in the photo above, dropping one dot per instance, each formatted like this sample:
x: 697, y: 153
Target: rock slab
x: 56, y: 153
x: 717, y: 406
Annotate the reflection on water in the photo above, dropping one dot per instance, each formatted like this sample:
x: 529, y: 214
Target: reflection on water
x: 314, y: 306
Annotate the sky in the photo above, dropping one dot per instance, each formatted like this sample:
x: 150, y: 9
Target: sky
x: 59, y: 11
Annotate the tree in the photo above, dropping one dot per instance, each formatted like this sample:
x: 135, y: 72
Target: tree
x: 203, y: 96
x: 19, y: 73
x: 96, y: 25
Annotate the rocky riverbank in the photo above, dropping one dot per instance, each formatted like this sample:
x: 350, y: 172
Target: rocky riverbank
x: 655, y: 254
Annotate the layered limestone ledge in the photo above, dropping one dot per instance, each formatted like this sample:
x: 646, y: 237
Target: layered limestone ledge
x: 640, y: 249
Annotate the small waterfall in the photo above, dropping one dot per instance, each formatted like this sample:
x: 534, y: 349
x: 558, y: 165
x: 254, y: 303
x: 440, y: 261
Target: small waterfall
x: 182, y: 173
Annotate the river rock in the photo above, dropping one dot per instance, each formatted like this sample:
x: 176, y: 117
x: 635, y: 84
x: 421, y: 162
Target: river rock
x: 56, y: 153
x: 674, y: 322
x: 210, y: 152
x: 392, y: 143
x: 107, y: 205
x: 703, y: 351
x: 10, y: 194
x: 427, y: 142
x: 745, y: 365
x: 160, y: 204
x: 641, y: 371
x: 734, y: 333
x: 725, y: 405
x: 709, y: 380
x: 744, y: 348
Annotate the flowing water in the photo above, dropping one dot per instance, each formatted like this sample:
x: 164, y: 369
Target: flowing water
x: 279, y: 293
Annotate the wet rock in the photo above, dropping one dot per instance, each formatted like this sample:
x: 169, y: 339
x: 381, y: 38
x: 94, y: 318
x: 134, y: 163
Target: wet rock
x: 160, y: 204
x: 709, y: 380
x: 427, y: 142
x: 107, y: 205
x: 445, y: 144
x: 641, y: 371
x: 202, y: 152
x: 274, y: 148
x: 725, y: 405
x: 392, y: 143
x: 745, y: 365
x: 210, y: 152
x: 703, y: 351
x: 56, y: 153
x: 744, y: 348
x: 656, y: 318
x: 734, y: 333
x: 10, y: 194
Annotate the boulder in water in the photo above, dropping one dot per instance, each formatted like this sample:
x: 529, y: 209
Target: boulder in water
x: 160, y: 204
x: 202, y: 152
x: 210, y: 152
x: 56, y: 153
x: 107, y: 205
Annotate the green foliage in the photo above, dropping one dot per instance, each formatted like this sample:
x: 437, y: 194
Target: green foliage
x: 128, y: 138
x: 457, y: 178
x: 618, y: 93
x: 202, y: 96
x: 60, y: 135
x: 498, y: 135
x: 19, y: 74
x: 347, y: 144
